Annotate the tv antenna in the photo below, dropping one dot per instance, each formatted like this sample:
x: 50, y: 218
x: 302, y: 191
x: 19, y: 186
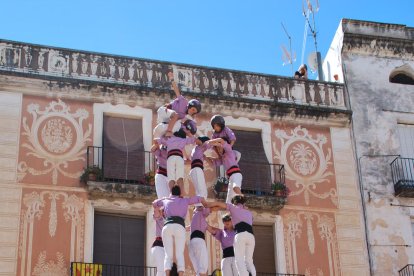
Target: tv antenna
x: 288, y: 57
x: 309, y: 14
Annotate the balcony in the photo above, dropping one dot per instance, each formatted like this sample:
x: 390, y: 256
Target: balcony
x: 67, y: 66
x: 258, y: 186
x: 78, y: 269
x: 407, y: 270
x: 128, y: 178
x: 402, y: 171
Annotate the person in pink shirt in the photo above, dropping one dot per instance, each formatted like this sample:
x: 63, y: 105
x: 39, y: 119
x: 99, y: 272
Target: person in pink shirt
x: 175, y: 146
x: 175, y: 211
x: 228, y: 160
x: 197, y: 167
x: 157, y: 249
x: 198, y: 248
x: 178, y: 109
x: 161, y: 179
x: 226, y: 238
x: 220, y: 130
x: 244, y: 241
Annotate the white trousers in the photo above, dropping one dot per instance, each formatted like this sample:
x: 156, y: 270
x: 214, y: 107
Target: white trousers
x: 243, y: 253
x: 228, y: 267
x: 235, y: 180
x: 198, y: 255
x: 199, y: 182
x: 175, y: 168
x: 161, y: 185
x: 158, y: 256
x: 171, y: 233
x: 160, y: 129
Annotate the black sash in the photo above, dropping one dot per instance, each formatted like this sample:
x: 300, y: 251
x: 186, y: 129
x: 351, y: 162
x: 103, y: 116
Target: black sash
x: 197, y: 234
x: 162, y: 171
x: 158, y: 242
x: 197, y: 163
x: 228, y: 252
x: 175, y: 152
x: 243, y: 227
x: 233, y: 170
x: 174, y: 219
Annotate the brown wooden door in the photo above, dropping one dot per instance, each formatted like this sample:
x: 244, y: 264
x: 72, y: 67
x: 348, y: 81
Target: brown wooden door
x: 123, y: 149
x: 264, y: 251
x: 254, y: 165
x: 119, y: 240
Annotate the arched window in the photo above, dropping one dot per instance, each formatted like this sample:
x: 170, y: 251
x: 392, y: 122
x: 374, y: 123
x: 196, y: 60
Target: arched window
x: 403, y: 74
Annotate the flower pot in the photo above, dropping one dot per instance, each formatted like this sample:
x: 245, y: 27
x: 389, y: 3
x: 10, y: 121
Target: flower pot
x: 278, y: 193
x: 92, y: 177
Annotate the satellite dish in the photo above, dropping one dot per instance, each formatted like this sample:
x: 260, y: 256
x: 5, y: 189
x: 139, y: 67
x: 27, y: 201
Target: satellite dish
x: 313, y: 61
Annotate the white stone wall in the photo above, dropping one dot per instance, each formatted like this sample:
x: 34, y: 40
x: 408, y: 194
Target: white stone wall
x: 378, y: 106
x: 10, y: 193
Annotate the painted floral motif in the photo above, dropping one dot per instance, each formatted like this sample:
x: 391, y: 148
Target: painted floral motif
x: 50, y: 268
x: 303, y: 159
x: 55, y: 136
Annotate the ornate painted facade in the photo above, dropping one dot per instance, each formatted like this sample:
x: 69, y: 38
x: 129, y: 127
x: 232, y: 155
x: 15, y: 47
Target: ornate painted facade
x: 53, y: 106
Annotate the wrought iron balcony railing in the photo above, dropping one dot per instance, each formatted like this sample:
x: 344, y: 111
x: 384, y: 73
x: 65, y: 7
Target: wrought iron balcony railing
x: 134, y: 168
x: 402, y: 170
x: 407, y: 270
x: 91, y: 269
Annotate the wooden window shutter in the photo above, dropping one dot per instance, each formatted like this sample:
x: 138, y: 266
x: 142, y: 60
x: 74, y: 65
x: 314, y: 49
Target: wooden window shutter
x: 119, y: 240
x: 264, y: 251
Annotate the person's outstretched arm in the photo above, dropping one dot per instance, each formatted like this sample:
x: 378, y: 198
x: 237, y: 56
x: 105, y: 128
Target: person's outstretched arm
x: 174, y: 84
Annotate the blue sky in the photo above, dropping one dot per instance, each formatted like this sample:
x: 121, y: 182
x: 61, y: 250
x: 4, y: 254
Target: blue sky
x: 236, y: 34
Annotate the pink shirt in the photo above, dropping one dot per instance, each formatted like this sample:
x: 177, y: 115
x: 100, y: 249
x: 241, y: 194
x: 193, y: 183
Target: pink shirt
x: 226, y: 237
x: 198, y: 152
x: 179, y: 105
x: 175, y: 205
x: 174, y: 142
x: 161, y: 156
x: 228, y: 159
x: 159, y: 224
x: 239, y: 214
x: 198, y: 222
x: 224, y: 133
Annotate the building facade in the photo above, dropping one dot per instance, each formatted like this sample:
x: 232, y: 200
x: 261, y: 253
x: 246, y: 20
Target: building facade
x: 376, y: 61
x: 65, y: 110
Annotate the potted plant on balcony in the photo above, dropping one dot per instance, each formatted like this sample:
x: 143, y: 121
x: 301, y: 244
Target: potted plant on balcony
x: 221, y: 185
x: 149, y: 178
x: 91, y: 173
x: 279, y: 189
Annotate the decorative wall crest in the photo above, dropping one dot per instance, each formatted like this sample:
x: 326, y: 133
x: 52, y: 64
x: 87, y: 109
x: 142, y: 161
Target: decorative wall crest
x: 56, y: 137
x: 305, y: 162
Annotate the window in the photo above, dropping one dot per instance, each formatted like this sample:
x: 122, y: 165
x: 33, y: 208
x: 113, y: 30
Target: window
x: 406, y: 135
x: 403, y: 74
x: 264, y: 251
x: 119, y: 240
x: 253, y: 163
x: 123, y: 149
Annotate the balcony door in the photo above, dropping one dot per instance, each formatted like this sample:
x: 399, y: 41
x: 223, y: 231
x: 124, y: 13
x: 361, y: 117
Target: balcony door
x: 264, y: 251
x: 123, y: 149
x: 257, y: 176
x: 119, y: 240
